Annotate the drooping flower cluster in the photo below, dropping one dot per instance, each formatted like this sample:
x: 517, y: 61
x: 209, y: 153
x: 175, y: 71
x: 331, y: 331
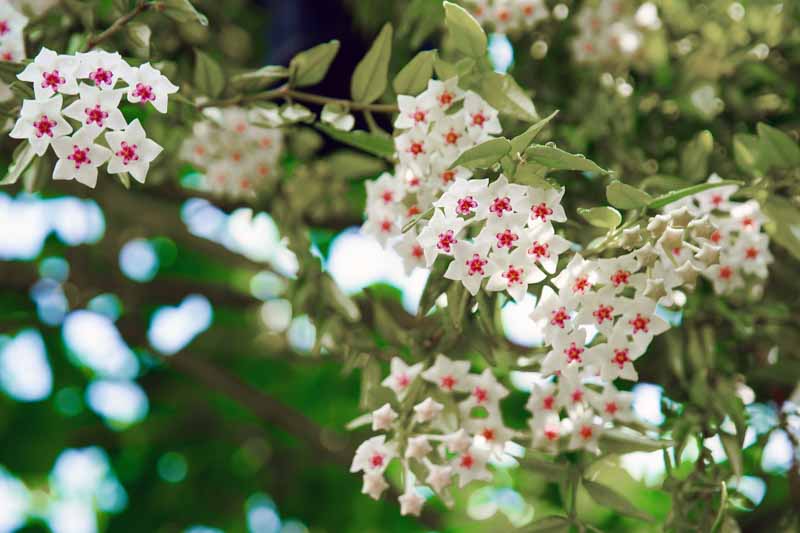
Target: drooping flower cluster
x: 744, y: 246
x: 95, y: 107
x: 450, y: 434
x: 508, y: 16
x: 434, y: 129
x: 12, y: 41
x: 236, y: 157
x: 609, y: 31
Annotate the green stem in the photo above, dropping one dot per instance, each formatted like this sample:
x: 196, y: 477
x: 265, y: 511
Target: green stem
x: 117, y: 25
x: 288, y: 93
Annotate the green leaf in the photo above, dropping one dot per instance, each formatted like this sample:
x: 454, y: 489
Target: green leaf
x: 557, y: 159
x: 413, y: 78
x: 21, y: 159
x: 466, y: 33
x: 607, y: 497
x: 624, y: 196
x: 139, y: 36
x: 421, y: 18
x: 208, y: 76
x: 503, y: 93
x: 484, y: 155
x: 601, y: 217
x: 348, y: 164
x: 784, y: 227
x: 182, y: 11
x: 379, y: 145
x: 674, y: 196
x: 549, y: 524
x: 734, y: 452
x: 522, y: 141
x: 444, y: 70
x: 309, y: 67
x: 621, y: 441
x: 694, y: 157
x: 9, y: 71
x: 746, y: 152
x: 435, y: 285
x: 778, y: 149
x: 259, y: 79
x: 371, y: 75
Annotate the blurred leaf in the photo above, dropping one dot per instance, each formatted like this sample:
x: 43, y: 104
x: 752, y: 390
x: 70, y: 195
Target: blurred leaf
x: 371, y: 74
x: 309, y: 67
x: 139, y: 36
x: 434, y: 286
x: 413, y: 78
x: 549, y: 524
x: 778, y: 149
x: 734, y: 452
x: 624, y: 196
x: 421, y: 19
x: 674, y: 196
x: 621, y: 441
x: 21, y: 159
x: 785, y: 226
x: 746, y: 152
x: 503, y: 93
x: 483, y: 155
x: 208, y: 76
x: 347, y: 164
x: 694, y: 157
x: 259, y: 79
x: 601, y: 217
x: 466, y: 33
x: 182, y: 11
x: 607, y: 497
x: 379, y: 145
x: 557, y: 159
x: 522, y: 141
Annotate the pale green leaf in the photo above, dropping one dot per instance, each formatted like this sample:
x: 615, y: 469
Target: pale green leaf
x: 624, y: 196
x: 601, y: 217
x: 607, y: 497
x: 309, y: 67
x: 21, y: 159
x: 466, y: 33
x: 208, y: 75
x: 694, y: 157
x: 379, y: 145
x: 182, y: 11
x: 371, y: 74
x: 522, y: 141
x: 484, y: 155
x: 413, y: 78
x: 674, y: 196
x: 259, y: 79
x: 503, y: 93
x: 557, y: 159
x: 778, y: 149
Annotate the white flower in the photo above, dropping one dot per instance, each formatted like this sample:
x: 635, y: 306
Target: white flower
x: 427, y: 410
x: 615, y: 357
x: 641, y: 322
x: 469, y: 265
x: 725, y: 278
x: 97, y: 108
x: 552, y: 312
x: 543, y: 246
x: 418, y: 447
x: 411, y: 252
x: 448, y: 375
x: 571, y: 392
x: 411, y: 502
x: 577, y: 278
x: 401, y: 376
x: 132, y: 151
x: 386, y: 190
x: 546, y: 205
x: 542, y: 398
x: 585, y: 432
x: 450, y: 135
x: 373, y: 455
x: 485, y: 391
x: 12, y: 22
x: 40, y: 122
x: 383, y: 417
x: 374, y: 485
x: 440, y: 235
x: 612, y: 404
x: 415, y: 148
x: 103, y: 68
x: 51, y: 73
x: 465, y: 198
x: 444, y: 93
x: 566, y: 348
x: 458, y: 441
x: 147, y: 84
x: 718, y: 198
x: 339, y: 119
x: 546, y: 432
x: 79, y: 156
x: 414, y: 112
x: 481, y: 118
x: 471, y: 465
x: 599, y: 309
x: 532, y: 11
x: 507, y: 198
x: 490, y: 431
x: 512, y: 272
x: 439, y: 477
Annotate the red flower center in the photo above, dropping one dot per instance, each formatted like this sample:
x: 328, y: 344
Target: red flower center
x: 53, y: 80
x: 4, y: 27
x: 466, y: 205
x: 547, y: 402
x: 581, y: 285
x: 611, y: 408
x: 419, y: 116
x: 376, y: 460
x: 416, y: 148
x: 79, y: 156
x: 506, y: 239
x: 603, y: 313
x: 577, y: 396
x: 500, y: 206
x: 96, y: 115
x: 448, y: 176
x: 725, y: 272
x: 386, y: 226
x: 541, y: 211
x: 639, y: 323
x: 514, y: 275
x: 417, y: 251
x: 387, y: 196
x: 573, y: 353
x: 751, y: 253
x: 44, y: 126
x: 550, y: 433
x: 716, y: 236
x: 559, y: 317
x: 446, y: 241
x: 128, y: 153
x: 447, y: 382
x: 144, y: 92
x: 402, y: 381
x: 446, y: 98
x: 478, y: 119
x: 413, y: 210
x: 620, y: 277
x: 481, y: 394
x: 539, y: 250
x: 101, y: 76
x: 620, y: 357
x: 467, y: 461
x: 488, y: 434
x: 475, y: 265
x: 451, y: 137
x: 586, y: 432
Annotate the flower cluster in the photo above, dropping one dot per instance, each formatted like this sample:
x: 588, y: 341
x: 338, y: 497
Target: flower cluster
x: 442, y: 437
x: 744, y: 246
x: 94, y: 104
x: 508, y: 16
x: 435, y: 128
x: 12, y: 42
x: 609, y: 32
x: 236, y: 157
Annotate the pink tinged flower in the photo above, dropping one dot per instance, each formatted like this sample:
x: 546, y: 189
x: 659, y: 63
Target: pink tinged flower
x: 439, y: 477
x: 539, y: 250
x: 51, y: 73
x: 79, y: 157
x: 573, y: 353
x: 147, y: 85
x: 418, y: 447
x: 541, y: 211
x: 383, y: 418
x: 506, y: 239
x: 40, y: 122
x: 499, y: 206
x: 52, y: 80
x: 401, y: 376
x: 411, y: 502
x: 465, y: 206
x: 448, y: 375
x: 132, y: 151
x: 428, y: 409
x: 101, y: 76
x: 373, y: 455
x: 446, y: 241
x: 374, y: 485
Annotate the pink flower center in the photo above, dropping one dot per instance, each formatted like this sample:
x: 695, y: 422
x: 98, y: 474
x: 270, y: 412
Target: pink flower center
x: 387, y: 197
x: 620, y: 357
x: 419, y: 116
x: 446, y: 98
x: 416, y: 148
x: 475, y: 265
x: 514, y: 275
x: 503, y: 15
x: 573, y: 353
x: 127, y: 152
x: 402, y: 381
x: 559, y: 317
x: 446, y: 241
x: 4, y: 27
x: 541, y: 211
x: 581, y: 284
x: 612, y: 408
x: 478, y: 119
x: 586, y: 432
x: 52, y: 80
x: 467, y: 461
x: 447, y: 382
x: 506, y: 239
x: 144, y: 92
x: 451, y: 137
x: 96, y: 115
x: 500, y: 206
x: 620, y: 277
x: 79, y: 156
x: 7, y: 56
x: 539, y: 250
x: 639, y: 323
x: 751, y: 253
x: 603, y: 313
x: 44, y: 126
x: 376, y: 461
x: 447, y: 176
x: 725, y: 272
x: 527, y: 10
x: 748, y: 222
x: 100, y: 76
x: 416, y: 251
x: 551, y: 433
x: 481, y: 394
x: 466, y: 205
x: 548, y: 402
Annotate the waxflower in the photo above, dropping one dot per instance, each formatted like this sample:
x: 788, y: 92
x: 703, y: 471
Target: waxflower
x: 508, y: 16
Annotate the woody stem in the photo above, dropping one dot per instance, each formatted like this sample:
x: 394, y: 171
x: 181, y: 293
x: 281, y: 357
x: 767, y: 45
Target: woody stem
x: 288, y: 93
x: 117, y: 25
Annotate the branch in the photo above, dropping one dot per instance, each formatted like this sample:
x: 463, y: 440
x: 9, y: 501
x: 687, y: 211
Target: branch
x: 117, y: 25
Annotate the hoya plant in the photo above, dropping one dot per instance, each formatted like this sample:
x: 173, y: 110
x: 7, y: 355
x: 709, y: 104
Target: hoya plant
x: 481, y: 265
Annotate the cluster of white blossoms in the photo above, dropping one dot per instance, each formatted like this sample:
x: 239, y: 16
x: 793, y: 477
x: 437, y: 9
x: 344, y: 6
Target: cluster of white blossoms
x: 434, y: 129
x: 610, y: 31
x: 94, y: 105
x: 508, y: 16
x: 12, y: 40
x: 236, y: 158
x: 744, y: 246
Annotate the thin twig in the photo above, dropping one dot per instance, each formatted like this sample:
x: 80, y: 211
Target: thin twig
x: 288, y: 93
x: 117, y: 25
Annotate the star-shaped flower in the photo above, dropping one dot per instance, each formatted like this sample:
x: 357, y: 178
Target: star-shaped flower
x: 543, y: 246
x: 51, y: 73
x: 132, y: 151
x: 418, y: 447
x: 615, y: 357
x: 448, y: 375
x: 411, y: 502
x: 79, y: 156
x: 469, y: 265
x: 383, y: 417
x: 427, y: 410
x: 401, y: 375
x: 439, y: 477
x: 103, y: 68
x: 471, y: 465
x: 374, y: 485
x: 373, y: 455
x: 566, y: 348
x: 40, y: 121
x: 147, y: 84
x: 97, y: 107
x: 512, y: 272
